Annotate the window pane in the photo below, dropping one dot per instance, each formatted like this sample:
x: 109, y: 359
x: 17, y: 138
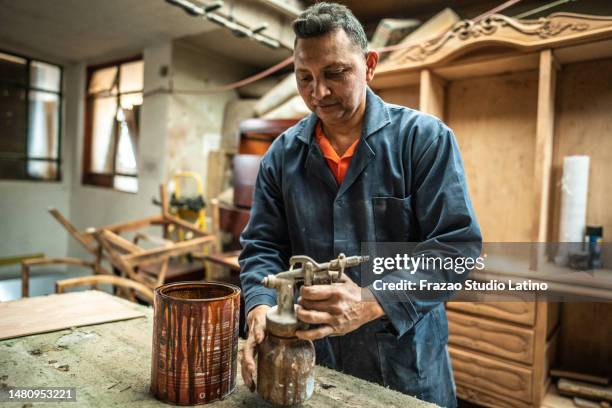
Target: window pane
x: 42, y: 170
x: 13, y: 120
x: 103, y: 80
x: 129, y: 101
x: 13, y: 69
x: 43, y: 129
x: 126, y: 183
x: 128, y: 140
x: 131, y: 77
x: 104, y: 114
x: 45, y: 76
x: 12, y: 169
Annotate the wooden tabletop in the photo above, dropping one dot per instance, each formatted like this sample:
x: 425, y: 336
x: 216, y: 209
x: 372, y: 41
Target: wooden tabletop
x: 110, y: 364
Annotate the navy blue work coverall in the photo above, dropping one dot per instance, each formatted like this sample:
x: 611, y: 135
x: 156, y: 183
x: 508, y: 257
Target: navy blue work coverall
x: 406, y: 183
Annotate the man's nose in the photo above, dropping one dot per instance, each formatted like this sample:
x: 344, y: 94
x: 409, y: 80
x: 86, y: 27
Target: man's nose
x: 321, y: 90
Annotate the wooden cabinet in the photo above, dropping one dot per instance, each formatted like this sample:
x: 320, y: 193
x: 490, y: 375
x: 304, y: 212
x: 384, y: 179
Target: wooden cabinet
x: 520, y: 96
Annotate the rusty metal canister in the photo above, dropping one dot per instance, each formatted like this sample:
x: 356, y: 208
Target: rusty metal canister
x: 285, y: 370
x: 195, y: 342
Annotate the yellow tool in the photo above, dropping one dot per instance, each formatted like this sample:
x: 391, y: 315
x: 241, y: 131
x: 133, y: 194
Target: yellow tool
x: 190, y: 209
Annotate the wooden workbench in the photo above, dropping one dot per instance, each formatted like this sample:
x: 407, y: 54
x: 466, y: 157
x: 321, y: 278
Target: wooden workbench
x: 109, y: 364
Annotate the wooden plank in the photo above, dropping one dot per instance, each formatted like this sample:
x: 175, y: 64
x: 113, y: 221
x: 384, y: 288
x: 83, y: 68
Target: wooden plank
x: 586, y: 338
x: 42, y: 314
x: 432, y: 94
x: 495, y: 376
x: 584, y: 98
x: 488, y: 65
x: 522, y: 312
x: 583, y: 389
x: 496, y: 137
x: 491, y: 337
x: 406, y: 95
x: 543, y: 153
x: 112, y: 363
x: 541, y: 347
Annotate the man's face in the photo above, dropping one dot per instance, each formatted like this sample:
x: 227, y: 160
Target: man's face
x: 332, y: 74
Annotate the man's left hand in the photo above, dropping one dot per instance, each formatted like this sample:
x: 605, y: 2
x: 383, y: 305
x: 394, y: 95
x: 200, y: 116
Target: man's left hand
x: 338, y: 308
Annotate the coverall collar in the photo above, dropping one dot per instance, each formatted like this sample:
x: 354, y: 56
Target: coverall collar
x: 376, y: 116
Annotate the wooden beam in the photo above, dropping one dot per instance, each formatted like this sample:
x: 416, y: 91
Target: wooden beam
x: 431, y: 94
x: 543, y: 152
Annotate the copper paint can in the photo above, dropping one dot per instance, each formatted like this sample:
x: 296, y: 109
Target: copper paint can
x: 195, y: 342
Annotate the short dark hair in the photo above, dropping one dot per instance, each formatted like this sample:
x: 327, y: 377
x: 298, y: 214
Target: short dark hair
x: 322, y: 18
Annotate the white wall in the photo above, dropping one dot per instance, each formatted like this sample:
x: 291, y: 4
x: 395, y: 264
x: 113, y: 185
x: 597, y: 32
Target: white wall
x: 195, y: 121
x: 25, y: 225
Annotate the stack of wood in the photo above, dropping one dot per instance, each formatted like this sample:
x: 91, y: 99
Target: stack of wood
x: 585, y: 390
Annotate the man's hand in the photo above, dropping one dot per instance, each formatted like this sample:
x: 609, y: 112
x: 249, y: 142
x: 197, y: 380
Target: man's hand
x: 256, y: 320
x: 337, y: 307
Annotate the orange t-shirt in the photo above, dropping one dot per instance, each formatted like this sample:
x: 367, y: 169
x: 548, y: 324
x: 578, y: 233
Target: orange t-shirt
x: 338, y: 165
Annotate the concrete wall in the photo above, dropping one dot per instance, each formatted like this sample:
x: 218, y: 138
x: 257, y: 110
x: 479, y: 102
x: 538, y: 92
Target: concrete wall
x: 195, y: 121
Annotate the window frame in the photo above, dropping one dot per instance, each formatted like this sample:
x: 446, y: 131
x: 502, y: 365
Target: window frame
x: 29, y: 88
x: 89, y: 177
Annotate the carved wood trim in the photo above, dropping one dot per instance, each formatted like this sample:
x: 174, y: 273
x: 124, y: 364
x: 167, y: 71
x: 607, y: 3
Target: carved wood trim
x: 499, y: 30
x: 495, y: 376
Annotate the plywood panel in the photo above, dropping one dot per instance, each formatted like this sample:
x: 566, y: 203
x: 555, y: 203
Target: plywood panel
x: 494, y: 119
x: 491, y: 375
x: 585, y: 344
x: 491, y: 337
x: 407, y: 96
x: 584, y: 126
x: 55, y: 312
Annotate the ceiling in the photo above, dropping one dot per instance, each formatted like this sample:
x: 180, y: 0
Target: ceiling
x: 222, y: 41
x: 65, y: 31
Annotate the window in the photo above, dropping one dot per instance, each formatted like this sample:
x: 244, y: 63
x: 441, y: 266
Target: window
x: 114, y: 98
x: 30, y: 105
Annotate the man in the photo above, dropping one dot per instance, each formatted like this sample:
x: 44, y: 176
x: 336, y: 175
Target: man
x: 356, y: 170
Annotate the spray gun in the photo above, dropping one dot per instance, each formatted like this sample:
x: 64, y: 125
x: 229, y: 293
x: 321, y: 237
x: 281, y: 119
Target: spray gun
x: 285, y: 365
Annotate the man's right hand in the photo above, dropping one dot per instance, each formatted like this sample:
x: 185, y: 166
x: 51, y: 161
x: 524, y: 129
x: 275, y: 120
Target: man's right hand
x: 256, y: 319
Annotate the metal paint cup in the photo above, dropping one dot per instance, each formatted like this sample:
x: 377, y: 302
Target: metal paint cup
x: 195, y: 342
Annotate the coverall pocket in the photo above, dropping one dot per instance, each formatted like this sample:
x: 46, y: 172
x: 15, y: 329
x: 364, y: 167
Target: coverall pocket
x: 393, y: 219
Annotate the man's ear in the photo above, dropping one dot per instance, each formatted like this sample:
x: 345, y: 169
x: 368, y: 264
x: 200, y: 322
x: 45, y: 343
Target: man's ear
x: 371, y: 61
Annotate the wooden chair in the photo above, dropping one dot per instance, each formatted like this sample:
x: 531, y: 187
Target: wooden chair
x: 229, y: 219
x: 132, y: 260
x: 128, y: 285
x: 85, y: 238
